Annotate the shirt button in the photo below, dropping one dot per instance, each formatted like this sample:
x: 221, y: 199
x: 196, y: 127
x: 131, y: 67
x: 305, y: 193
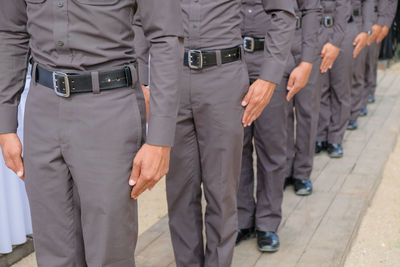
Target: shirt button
x: 196, y: 1
x: 60, y: 4
x: 194, y: 26
x: 250, y: 11
x: 60, y: 43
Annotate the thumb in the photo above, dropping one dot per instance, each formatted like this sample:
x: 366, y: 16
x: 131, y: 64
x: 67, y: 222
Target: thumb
x: 19, y: 167
x: 323, y: 52
x: 291, y: 82
x: 135, y: 173
x: 247, y: 97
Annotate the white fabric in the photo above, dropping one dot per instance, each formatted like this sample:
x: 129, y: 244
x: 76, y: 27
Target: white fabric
x: 15, y: 217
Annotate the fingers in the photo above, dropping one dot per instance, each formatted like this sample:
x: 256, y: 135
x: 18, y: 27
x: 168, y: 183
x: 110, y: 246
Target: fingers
x: 135, y: 173
x: 247, y: 97
x: 290, y: 87
x: 19, y: 167
x: 14, y: 162
x: 249, y: 107
x: 141, y: 185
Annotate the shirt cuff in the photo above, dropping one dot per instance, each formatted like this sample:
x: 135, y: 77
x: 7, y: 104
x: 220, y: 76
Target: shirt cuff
x: 308, y: 54
x: 336, y: 41
x: 161, y: 131
x: 8, y: 119
x: 272, y: 71
x: 383, y: 21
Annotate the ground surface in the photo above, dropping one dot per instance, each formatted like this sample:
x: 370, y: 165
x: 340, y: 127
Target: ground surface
x: 320, y: 230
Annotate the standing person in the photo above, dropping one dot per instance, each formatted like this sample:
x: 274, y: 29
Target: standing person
x: 363, y: 12
x: 84, y: 120
x: 15, y: 222
x: 216, y: 103
x: 305, y: 107
x: 337, y: 34
x: 269, y: 130
x: 385, y: 11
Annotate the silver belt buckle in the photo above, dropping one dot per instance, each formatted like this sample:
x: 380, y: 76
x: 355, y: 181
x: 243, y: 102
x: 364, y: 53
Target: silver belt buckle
x: 250, y: 41
x: 195, y: 59
x: 328, y: 21
x: 67, y: 92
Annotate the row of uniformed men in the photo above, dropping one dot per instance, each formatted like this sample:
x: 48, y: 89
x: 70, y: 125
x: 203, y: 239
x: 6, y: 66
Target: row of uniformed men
x: 79, y: 147
x: 325, y: 85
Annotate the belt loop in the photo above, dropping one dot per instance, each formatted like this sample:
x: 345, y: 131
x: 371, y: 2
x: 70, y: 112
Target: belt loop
x: 95, y: 82
x: 134, y: 75
x: 219, y: 57
x: 34, y: 73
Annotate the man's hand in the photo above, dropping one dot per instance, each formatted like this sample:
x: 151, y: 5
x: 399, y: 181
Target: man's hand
x: 383, y: 33
x: 149, y: 166
x: 256, y: 99
x: 298, y: 79
x: 329, y: 54
x: 146, y: 93
x: 376, y: 30
x: 359, y: 43
x: 12, y: 150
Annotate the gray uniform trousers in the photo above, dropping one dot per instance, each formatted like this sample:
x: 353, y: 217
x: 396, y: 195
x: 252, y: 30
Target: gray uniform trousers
x: 269, y: 133
x: 78, y: 155
x: 371, y: 71
x: 306, y: 104
x: 358, y: 82
x: 336, y: 90
x: 358, y: 88
x: 207, y: 152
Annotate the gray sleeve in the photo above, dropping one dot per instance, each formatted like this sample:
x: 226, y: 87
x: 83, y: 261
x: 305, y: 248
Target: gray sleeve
x: 142, y: 48
x: 278, y: 40
x: 386, y: 12
x: 162, y: 26
x: 14, y: 53
x: 342, y: 15
x: 368, y: 7
x: 311, y: 11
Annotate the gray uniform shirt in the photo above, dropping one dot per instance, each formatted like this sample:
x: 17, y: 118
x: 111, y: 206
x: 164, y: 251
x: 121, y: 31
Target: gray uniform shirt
x: 340, y: 10
x: 85, y: 35
x: 216, y: 24
x: 366, y: 7
x: 255, y: 18
x: 386, y: 12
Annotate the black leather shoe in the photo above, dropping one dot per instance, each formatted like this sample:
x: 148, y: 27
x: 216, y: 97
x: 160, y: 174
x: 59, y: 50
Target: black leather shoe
x: 288, y: 181
x: 335, y: 150
x: 371, y: 99
x: 364, y: 112
x: 352, y: 125
x: 302, y: 187
x: 245, y: 234
x: 267, y: 241
x: 320, y: 146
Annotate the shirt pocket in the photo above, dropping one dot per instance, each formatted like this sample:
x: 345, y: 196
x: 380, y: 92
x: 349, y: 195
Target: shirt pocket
x: 96, y: 2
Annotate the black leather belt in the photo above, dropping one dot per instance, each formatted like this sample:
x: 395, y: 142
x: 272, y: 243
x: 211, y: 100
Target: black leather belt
x: 199, y: 59
x: 65, y: 84
x: 251, y: 44
x: 328, y: 21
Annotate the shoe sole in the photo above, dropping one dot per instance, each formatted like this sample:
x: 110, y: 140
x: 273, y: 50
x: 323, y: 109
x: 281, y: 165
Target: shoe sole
x: 303, y: 192
x: 351, y: 128
x: 246, y: 237
x: 335, y: 156
x: 268, y: 249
